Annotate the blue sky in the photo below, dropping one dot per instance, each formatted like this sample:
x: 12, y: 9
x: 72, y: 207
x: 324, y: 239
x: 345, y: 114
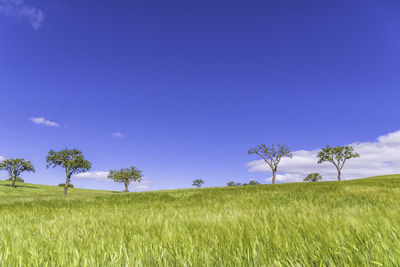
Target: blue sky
x: 192, y: 85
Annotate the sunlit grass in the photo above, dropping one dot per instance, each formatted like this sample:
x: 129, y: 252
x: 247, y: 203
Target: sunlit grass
x: 325, y: 223
x: 34, y: 192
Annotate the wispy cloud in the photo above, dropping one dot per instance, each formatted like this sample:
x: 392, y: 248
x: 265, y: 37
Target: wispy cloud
x: 117, y: 135
x: 2, y: 174
x: 20, y: 10
x: 377, y: 158
x: 143, y: 185
x: 43, y: 121
x: 96, y: 175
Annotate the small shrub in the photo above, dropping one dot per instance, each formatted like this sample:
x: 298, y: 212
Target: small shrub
x: 313, y: 177
x: 252, y: 182
x: 69, y: 185
x: 232, y: 183
x: 18, y: 180
x: 198, y: 183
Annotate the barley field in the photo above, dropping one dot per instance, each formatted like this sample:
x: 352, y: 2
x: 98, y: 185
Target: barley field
x: 348, y: 223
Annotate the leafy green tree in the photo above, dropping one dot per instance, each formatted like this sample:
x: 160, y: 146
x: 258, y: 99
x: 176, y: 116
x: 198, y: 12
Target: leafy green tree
x: 272, y: 156
x: 126, y: 176
x: 313, y: 177
x: 337, y: 156
x: 72, y: 160
x: 232, y: 183
x: 198, y: 183
x: 15, y: 167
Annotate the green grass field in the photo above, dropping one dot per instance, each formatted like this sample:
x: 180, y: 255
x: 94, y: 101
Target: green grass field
x: 354, y: 223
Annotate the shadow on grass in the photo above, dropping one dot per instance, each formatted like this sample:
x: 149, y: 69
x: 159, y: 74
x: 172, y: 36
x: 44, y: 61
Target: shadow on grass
x: 16, y: 186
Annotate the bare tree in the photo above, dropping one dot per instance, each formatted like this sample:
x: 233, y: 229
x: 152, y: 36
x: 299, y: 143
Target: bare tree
x: 272, y: 156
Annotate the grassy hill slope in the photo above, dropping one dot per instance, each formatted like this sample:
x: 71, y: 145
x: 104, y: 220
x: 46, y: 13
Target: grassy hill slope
x: 35, y: 192
x: 326, y: 223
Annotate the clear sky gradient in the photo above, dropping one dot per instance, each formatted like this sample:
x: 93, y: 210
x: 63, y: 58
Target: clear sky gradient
x: 182, y: 89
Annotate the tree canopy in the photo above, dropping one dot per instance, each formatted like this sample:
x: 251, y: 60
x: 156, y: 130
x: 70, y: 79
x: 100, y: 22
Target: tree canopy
x: 15, y: 167
x: 72, y: 160
x: 198, y: 183
x: 272, y: 155
x: 126, y: 176
x: 337, y: 156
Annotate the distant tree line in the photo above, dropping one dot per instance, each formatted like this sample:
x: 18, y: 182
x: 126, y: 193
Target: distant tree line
x: 251, y: 182
x: 73, y: 162
x: 199, y: 183
x: 272, y: 156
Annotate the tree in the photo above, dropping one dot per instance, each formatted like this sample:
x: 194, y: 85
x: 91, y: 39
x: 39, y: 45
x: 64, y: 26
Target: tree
x: 272, y: 156
x: 15, y: 167
x: 313, y: 177
x: 17, y: 180
x: 69, y: 185
x: 252, y: 182
x: 337, y: 156
x: 232, y: 183
x: 126, y: 176
x: 72, y: 160
x: 198, y: 183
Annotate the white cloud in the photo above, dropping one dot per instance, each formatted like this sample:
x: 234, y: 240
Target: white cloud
x: 117, y: 135
x: 43, y: 121
x: 96, y: 175
x: 19, y: 9
x: 2, y: 174
x: 143, y: 185
x: 376, y: 158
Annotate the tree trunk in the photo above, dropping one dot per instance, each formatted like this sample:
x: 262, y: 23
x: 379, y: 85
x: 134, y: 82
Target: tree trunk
x: 273, y: 177
x: 339, y: 175
x: 66, y: 185
x: 126, y: 187
x: 13, y: 181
